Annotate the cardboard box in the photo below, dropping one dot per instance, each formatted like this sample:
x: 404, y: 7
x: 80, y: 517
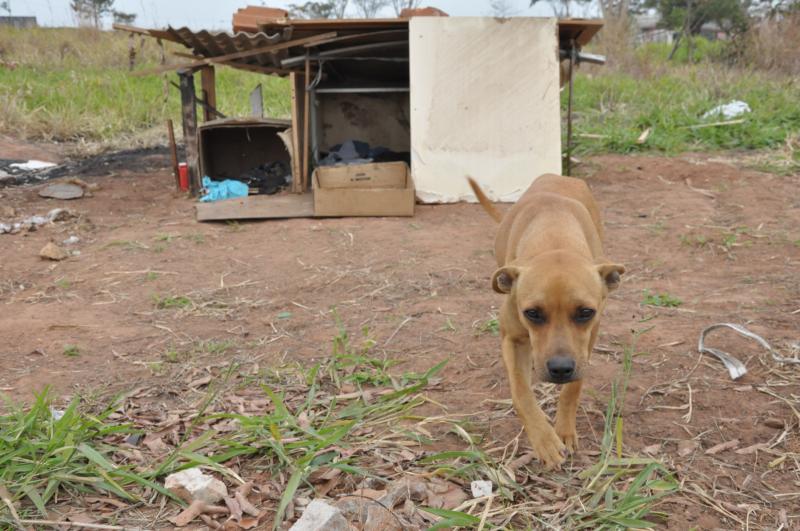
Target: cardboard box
x: 377, y: 189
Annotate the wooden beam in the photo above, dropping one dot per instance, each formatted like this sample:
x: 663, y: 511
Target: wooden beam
x: 238, y: 55
x: 189, y: 111
x: 291, y: 61
x: 257, y: 102
x: 357, y: 36
x: 258, y: 207
x: 208, y: 84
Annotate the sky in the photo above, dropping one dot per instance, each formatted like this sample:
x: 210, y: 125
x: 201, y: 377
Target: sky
x: 216, y: 14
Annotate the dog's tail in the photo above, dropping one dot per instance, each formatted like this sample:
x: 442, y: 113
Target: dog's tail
x: 484, y: 201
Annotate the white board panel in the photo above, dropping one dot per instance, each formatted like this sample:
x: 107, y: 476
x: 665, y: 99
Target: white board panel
x: 484, y: 103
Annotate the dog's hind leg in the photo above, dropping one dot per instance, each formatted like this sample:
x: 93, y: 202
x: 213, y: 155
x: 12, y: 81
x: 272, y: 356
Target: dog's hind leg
x: 565, y: 416
x: 543, y: 438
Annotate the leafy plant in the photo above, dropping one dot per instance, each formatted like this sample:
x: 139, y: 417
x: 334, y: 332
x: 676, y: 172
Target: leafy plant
x: 664, y: 300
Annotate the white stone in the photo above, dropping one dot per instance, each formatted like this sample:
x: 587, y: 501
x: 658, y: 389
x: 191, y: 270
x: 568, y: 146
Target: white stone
x: 192, y: 484
x: 481, y: 488
x: 319, y: 516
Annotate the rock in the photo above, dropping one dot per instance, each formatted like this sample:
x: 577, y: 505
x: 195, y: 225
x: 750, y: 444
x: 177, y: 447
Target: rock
x: 71, y: 240
x: 381, y: 519
x: 192, y: 484
x: 52, y: 251
x: 319, y: 516
x: 62, y: 191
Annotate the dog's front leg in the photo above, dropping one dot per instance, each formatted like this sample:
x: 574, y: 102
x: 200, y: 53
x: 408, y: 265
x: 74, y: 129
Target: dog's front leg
x: 543, y: 438
x: 565, y: 416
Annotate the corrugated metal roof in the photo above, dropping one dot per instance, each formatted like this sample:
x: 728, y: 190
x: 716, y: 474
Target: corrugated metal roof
x: 207, y: 44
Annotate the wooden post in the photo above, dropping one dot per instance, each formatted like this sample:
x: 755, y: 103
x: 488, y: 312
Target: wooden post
x: 306, y: 141
x: 257, y: 102
x: 208, y: 82
x: 297, y: 82
x: 173, y: 151
x: 189, y: 110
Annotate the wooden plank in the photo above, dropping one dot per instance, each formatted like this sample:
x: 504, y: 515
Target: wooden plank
x: 297, y: 84
x: 258, y: 207
x: 208, y: 82
x: 189, y: 111
x: 238, y: 55
x: 173, y: 151
x: 306, y: 137
x: 257, y: 102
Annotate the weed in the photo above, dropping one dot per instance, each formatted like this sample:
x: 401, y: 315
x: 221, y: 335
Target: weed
x: 198, y: 238
x: 618, y: 491
x: 448, y: 326
x: 63, y: 283
x: 171, y: 302
x: 796, y: 243
x: 130, y: 245
x: 698, y: 240
x: 72, y: 351
x: 729, y: 240
x: 165, y: 237
x: 172, y: 356
x: 150, y: 276
x: 214, y: 346
x: 664, y: 300
x: 491, y: 326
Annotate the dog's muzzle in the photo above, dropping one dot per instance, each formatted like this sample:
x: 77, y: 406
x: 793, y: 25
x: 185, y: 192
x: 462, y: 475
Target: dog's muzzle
x: 560, y: 369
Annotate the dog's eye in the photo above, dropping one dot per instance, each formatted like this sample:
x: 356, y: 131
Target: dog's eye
x: 584, y: 315
x: 535, y: 316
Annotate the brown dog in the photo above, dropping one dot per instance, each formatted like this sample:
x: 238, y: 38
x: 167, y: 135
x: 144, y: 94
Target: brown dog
x: 551, y: 266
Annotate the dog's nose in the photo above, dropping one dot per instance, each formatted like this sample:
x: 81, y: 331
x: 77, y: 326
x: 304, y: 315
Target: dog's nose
x: 561, y: 368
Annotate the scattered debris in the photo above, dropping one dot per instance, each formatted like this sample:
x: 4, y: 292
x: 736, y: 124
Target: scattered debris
x: 33, y: 222
x: 644, y: 136
x: 193, y: 485
x: 319, y: 516
x: 61, y: 191
x: 227, y: 189
x: 735, y: 367
x: 778, y: 424
x: 358, y: 152
x: 729, y: 110
x: 71, y: 240
x: 33, y: 165
x: 687, y: 447
x: 52, y: 251
x: 481, y: 488
x: 268, y: 178
x: 195, y: 509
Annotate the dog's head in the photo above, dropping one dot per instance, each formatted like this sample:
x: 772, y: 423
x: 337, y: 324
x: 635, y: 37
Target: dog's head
x: 559, y: 297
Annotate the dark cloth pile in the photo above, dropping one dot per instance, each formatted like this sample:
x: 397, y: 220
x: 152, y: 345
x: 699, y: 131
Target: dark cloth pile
x: 358, y: 152
x: 268, y: 178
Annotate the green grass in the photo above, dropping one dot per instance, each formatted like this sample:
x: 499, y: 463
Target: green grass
x: 88, y: 93
x: 170, y: 302
x: 621, y: 492
x: 490, y: 326
x: 618, y: 107
x: 663, y: 300
x: 72, y: 351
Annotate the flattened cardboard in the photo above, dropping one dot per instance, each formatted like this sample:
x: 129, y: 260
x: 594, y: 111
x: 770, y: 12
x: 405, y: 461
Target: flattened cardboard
x: 376, y: 189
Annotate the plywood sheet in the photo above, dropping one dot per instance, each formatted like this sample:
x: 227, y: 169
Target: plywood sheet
x: 484, y: 103
x: 258, y: 207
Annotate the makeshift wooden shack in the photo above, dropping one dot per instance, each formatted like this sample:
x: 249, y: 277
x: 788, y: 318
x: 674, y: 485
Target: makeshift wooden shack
x: 447, y: 96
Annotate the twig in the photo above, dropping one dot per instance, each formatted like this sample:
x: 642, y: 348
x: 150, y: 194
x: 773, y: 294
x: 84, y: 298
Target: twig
x: 713, y: 124
x: 485, y: 513
x: 699, y: 190
x: 54, y: 523
x: 397, y: 330
x: 6, y: 496
x: 687, y: 418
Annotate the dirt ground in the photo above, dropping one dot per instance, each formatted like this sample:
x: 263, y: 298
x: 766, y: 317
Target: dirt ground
x: 723, y: 240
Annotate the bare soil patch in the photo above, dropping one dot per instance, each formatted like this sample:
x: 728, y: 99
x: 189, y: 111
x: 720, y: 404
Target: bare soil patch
x: 157, y: 301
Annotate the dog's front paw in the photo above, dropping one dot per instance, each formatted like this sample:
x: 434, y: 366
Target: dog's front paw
x: 549, y: 448
x: 567, y: 433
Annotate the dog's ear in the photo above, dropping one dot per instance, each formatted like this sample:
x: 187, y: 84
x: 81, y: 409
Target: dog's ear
x: 610, y: 274
x: 504, y: 278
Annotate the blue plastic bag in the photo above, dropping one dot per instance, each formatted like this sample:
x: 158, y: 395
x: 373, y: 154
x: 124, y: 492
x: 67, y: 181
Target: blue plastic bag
x: 226, y: 189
